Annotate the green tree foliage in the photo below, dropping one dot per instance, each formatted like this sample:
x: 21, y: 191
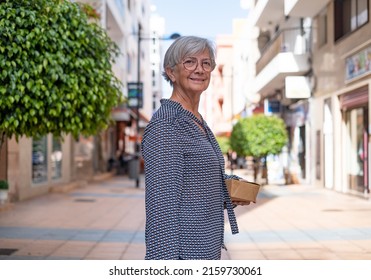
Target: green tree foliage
x: 55, y: 70
x: 259, y: 136
x: 223, y: 143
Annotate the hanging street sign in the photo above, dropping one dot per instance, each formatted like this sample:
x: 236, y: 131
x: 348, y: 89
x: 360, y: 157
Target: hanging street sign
x: 135, y: 95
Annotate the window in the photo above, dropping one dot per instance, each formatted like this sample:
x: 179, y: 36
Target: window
x: 47, y: 154
x: 349, y: 16
x: 322, y: 28
x: 128, y: 64
x: 362, y: 12
x: 56, y: 159
x: 39, y: 160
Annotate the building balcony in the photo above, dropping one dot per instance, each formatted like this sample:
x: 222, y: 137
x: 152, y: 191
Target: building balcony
x: 115, y: 18
x: 287, y: 54
x: 304, y: 8
x: 267, y: 12
x: 112, y: 14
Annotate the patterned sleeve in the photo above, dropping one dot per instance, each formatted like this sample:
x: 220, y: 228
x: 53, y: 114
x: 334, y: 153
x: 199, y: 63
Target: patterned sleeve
x: 227, y: 176
x: 163, y: 161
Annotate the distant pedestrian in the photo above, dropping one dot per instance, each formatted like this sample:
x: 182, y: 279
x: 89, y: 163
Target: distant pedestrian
x: 186, y: 192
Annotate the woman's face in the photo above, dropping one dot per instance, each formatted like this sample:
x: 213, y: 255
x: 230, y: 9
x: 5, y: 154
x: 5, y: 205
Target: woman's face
x: 192, y: 74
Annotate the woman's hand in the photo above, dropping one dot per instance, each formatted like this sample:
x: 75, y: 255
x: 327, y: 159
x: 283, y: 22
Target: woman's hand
x: 241, y: 203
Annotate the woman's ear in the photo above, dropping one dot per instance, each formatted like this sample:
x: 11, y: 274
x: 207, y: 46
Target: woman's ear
x: 170, y: 72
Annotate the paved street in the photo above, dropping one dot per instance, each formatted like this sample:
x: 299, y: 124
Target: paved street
x: 105, y: 220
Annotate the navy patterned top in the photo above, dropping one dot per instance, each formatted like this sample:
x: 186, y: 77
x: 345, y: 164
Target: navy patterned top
x: 185, y: 187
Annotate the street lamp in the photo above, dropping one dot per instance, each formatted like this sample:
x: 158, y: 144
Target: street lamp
x: 139, y: 99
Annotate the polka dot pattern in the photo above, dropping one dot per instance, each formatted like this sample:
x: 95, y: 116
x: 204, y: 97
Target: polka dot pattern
x: 185, y: 187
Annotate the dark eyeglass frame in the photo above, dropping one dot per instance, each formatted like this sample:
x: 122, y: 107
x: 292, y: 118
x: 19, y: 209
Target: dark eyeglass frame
x: 194, y: 61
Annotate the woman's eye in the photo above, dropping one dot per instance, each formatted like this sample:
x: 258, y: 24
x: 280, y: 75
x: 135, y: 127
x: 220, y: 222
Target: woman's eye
x: 189, y: 62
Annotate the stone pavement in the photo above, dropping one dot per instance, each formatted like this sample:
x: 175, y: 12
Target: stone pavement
x: 105, y: 220
x: 102, y: 220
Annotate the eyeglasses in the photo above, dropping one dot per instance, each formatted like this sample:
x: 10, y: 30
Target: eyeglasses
x: 191, y: 64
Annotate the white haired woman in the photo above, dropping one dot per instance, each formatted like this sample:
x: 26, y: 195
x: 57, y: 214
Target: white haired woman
x: 185, y: 185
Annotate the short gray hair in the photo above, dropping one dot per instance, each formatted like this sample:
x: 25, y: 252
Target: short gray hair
x: 186, y: 46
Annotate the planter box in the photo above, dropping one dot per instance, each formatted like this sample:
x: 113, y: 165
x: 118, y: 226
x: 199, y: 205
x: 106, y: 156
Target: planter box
x: 3, y: 196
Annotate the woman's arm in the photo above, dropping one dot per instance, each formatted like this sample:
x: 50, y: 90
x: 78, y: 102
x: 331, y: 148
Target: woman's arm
x: 227, y: 176
x: 163, y: 161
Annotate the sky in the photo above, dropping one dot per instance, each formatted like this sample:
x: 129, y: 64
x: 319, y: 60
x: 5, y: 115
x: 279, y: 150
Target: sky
x: 204, y: 18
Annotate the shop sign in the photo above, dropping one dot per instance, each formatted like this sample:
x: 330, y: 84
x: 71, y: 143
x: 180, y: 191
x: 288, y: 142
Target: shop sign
x: 135, y: 95
x: 358, y: 64
x: 297, y: 87
x: 272, y: 106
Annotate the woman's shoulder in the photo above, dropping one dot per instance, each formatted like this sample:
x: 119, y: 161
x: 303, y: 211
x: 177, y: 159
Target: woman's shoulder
x: 168, y: 113
x: 163, y: 126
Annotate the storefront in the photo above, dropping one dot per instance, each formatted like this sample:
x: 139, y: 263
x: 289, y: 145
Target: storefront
x: 354, y: 106
x: 296, y: 119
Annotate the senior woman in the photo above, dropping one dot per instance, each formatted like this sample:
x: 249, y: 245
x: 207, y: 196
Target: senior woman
x: 185, y: 185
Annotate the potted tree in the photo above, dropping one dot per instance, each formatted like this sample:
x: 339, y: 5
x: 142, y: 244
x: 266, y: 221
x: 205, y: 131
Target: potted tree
x: 4, y: 186
x: 259, y: 136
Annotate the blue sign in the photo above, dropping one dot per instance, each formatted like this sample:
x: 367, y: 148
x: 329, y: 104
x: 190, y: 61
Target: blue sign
x: 273, y: 106
x: 135, y: 95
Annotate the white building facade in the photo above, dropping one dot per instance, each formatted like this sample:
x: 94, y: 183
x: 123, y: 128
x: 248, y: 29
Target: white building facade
x: 314, y: 63
x: 35, y: 167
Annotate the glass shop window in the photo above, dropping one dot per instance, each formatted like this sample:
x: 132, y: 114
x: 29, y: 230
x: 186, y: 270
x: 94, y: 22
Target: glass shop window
x: 56, y: 159
x: 39, y: 160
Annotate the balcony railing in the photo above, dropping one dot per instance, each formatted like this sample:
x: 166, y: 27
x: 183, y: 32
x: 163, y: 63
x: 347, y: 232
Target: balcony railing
x: 296, y: 41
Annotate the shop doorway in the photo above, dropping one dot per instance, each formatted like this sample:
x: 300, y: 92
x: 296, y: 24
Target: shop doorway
x: 357, y: 147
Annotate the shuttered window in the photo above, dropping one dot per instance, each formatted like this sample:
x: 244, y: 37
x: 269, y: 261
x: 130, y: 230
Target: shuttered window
x: 355, y: 98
